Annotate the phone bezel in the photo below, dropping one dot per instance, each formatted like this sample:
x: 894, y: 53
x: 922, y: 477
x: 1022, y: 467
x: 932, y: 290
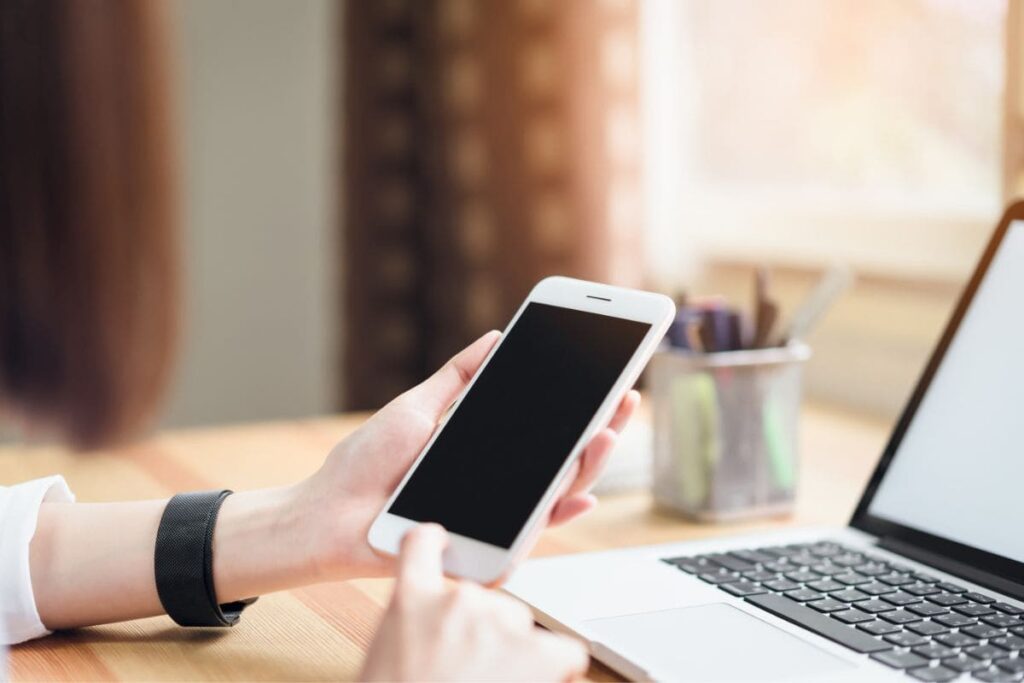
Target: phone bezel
x: 473, y: 559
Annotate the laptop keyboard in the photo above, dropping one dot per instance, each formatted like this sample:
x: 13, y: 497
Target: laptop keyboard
x: 934, y: 630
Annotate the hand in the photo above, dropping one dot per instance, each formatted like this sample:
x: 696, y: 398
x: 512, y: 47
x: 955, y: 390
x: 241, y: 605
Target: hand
x: 438, y: 631
x: 350, y: 490
x: 92, y: 563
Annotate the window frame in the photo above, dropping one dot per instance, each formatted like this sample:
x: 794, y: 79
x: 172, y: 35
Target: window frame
x: 896, y: 236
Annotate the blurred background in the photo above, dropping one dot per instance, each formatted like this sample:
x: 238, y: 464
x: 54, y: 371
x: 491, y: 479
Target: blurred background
x: 370, y: 185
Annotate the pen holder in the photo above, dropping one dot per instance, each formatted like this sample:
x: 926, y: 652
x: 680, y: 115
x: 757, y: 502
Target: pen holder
x: 726, y: 431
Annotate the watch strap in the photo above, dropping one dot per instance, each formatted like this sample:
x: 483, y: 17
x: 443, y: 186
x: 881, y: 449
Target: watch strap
x: 183, y: 561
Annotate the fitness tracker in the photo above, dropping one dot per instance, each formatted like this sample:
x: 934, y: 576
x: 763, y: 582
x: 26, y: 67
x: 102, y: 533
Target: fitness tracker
x: 183, y: 562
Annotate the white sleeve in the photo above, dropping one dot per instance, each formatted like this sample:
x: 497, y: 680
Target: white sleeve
x: 19, y: 510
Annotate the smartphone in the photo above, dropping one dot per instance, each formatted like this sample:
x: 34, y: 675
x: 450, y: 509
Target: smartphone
x: 492, y: 468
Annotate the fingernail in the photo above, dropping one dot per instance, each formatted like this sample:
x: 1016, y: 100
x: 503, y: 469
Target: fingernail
x: 432, y: 528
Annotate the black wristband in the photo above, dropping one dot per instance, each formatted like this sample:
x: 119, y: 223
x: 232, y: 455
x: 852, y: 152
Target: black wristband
x: 183, y: 562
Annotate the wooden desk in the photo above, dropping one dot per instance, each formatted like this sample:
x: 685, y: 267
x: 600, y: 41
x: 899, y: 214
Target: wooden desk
x: 321, y: 632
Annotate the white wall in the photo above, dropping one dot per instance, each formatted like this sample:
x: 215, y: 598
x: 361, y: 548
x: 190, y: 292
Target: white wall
x: 257, y: 107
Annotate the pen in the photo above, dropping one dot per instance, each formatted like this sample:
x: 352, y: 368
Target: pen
x: 766, y: 311
x: 834, y: 282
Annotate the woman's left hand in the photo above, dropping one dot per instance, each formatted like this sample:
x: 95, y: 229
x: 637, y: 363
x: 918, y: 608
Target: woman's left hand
x: 92, y: 563
x: 362, y: 471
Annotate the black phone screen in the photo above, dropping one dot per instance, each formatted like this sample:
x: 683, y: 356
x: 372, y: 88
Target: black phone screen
x: 514, y: 429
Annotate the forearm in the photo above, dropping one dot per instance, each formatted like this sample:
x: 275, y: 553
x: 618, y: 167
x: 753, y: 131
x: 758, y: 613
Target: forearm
x: 92, y: 563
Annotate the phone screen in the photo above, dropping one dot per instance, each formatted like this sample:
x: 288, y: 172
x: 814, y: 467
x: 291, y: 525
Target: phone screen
x: 498, y: 453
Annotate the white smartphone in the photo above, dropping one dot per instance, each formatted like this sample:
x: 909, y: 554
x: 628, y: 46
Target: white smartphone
x: 493, y: 467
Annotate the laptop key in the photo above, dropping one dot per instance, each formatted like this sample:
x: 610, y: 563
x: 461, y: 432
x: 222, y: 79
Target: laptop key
x: 1008, y: 642
x: 1007, y: 608
x: 987, y: 652
x: 828, y: 605
x: 906, y: 639
x: 920, y: 589
x: 927, y: 628
x: 804, y: 559
x: 752, y: 556
x: 719, y: 577
x: 900, y: 598
x: 1014, y: 666
x: 733, y: 564
x: 760, y: 575
x: 956, y: 639
x: 933, y: 673
x: 879, y: 627
x: 951, y: 587
x: 777, y: 566
x: 802, y: 576
x: 824, y: 626
x: 872, y: 568
x: 877, y: 588
x: 850, y: 595
x: 687, y: 564
x: 852, y: 616
x: 925, y: 578
x: 826, y: 549
x: 803, y: 595
x: 995, y: 675
x: 927, y: 609
x: 852, y: 579
x: 875, y: 606
x: 826, y: 585
x: 947, y: 599
x: 781, y: 585
x: 955, y: 620
x: 900, y: 660
x: 896, y: 579
x: 779, y: 551
x: 848, y: 559
x: 900, y: 616
x: 1002, y: 620
x: 983, y: 631
x: 934, y: 651
x: 742, y: 588
x: 964, y: 664
x: 1018, y: 631
x: 973, y: 610
x: 979, y: 597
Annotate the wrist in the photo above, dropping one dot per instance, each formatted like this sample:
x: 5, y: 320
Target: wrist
x: 259, y: 544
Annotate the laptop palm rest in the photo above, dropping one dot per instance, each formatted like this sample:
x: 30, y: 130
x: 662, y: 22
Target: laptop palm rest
x: 714, y: 642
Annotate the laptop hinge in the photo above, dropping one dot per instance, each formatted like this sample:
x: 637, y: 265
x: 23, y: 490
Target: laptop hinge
x: 965, y: 571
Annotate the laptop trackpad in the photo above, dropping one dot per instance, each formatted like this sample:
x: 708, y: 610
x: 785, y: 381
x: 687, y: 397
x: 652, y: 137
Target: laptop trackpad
x: 715, y: 642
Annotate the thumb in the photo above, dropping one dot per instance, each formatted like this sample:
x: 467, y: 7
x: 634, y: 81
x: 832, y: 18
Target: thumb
x: 419, y: 563
x: 434, y: 395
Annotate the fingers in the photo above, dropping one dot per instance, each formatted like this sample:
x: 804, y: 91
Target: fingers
x: 625, y: 411
x: 562, y: 654
x: 419, y: 563
x: 592, y: 462
x: 596, y: 454
x: 434, y: 395
x: 568, y: 509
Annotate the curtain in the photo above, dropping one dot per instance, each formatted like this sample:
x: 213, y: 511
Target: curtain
x: 486, y: 144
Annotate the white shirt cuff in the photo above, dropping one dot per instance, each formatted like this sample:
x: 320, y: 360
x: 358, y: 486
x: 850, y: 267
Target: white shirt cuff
x: 19, y: 512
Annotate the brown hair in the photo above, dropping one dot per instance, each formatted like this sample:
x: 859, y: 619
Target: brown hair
x: 88, y: 255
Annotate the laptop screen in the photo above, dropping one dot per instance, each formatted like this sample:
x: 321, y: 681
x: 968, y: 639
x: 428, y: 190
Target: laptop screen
x: 958, y: 472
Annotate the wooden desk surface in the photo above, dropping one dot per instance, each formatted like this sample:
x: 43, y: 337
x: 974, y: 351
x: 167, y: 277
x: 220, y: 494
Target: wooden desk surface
x: 321, y: 632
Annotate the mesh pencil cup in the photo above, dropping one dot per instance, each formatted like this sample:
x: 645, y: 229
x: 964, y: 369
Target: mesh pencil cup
x: 726, y: 431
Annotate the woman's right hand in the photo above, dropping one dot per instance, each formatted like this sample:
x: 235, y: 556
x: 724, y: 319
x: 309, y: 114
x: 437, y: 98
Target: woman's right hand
x: 435, y: 630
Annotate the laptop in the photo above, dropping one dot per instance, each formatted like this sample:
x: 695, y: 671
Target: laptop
x: 926, y: 582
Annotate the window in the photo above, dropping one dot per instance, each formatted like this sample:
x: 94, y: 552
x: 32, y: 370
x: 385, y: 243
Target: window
x: 796, y: 131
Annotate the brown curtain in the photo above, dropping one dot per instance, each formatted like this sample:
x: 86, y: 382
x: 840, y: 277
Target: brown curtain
x: 487, y: 144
